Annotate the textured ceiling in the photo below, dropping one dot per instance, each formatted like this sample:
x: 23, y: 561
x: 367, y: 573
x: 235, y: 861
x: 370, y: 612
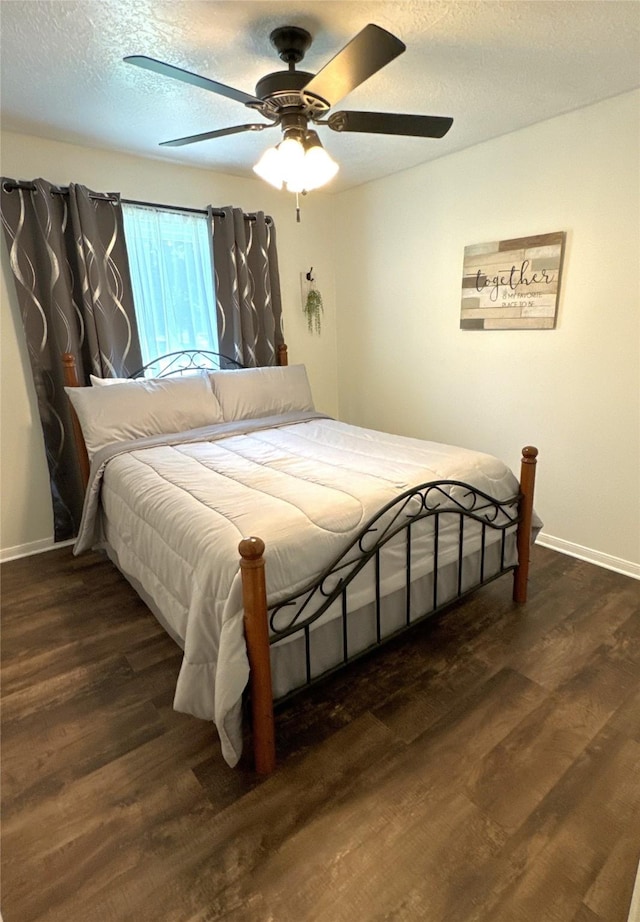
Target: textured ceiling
x: 494, y: 66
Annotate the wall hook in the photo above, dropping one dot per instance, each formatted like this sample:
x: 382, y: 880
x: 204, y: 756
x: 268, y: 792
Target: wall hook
x: 309, y: 277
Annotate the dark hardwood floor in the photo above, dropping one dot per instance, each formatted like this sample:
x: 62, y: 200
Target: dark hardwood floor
x: 485, y: 768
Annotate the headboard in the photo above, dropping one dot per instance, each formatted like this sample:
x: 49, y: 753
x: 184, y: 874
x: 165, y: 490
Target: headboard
x: 185, y: 362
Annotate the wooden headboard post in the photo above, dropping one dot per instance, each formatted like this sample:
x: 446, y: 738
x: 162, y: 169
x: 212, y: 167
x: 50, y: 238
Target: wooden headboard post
x: 256, y: 630
x: 70, y: 376
x: 527, y: 483
x: 283, y: 355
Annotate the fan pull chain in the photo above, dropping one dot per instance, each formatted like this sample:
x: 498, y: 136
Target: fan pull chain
x: 297, y: 209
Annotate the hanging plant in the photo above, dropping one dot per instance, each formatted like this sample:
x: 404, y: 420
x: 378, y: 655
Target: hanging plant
x: 313, y: 307
x: 313, y: 310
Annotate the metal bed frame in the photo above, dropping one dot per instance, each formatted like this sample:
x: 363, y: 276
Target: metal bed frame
x: 266, y: 625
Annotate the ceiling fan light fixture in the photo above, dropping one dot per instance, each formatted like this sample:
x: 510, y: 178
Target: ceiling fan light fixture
x: 302, y: 165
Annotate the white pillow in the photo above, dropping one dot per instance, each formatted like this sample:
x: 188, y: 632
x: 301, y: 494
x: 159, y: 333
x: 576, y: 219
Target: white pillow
x: 255, y: 392
x: 101, y: 382
x: 137, y: 408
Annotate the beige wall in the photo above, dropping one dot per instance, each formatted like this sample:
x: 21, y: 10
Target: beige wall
x: 405, y: 366
x: 25, y: 515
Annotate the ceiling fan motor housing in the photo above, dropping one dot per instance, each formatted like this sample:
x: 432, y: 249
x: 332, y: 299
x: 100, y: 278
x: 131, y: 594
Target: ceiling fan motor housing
x: 284, y: 88
x: 281, y: 84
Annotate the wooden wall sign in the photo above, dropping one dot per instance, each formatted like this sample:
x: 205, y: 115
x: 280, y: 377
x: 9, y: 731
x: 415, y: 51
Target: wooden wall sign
x: 512, y: 284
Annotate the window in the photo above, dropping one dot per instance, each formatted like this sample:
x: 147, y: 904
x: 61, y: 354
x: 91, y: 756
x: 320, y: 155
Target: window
x: 171, y: 264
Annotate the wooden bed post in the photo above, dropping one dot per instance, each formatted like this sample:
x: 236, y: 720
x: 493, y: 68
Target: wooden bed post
x: 70, y: 377
x: 527, y: 482
x: 283, y: 355
x: 256, y: 629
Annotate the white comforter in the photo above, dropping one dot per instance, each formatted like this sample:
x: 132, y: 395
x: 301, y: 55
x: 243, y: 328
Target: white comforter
x: 173, y: 511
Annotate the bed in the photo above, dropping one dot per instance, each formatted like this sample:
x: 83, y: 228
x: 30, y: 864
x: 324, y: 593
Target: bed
x: 196, y: 481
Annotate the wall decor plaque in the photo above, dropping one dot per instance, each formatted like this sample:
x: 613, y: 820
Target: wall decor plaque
x: 512, y: 284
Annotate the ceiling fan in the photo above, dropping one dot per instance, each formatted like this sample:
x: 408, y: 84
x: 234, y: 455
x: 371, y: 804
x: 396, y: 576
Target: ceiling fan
x: 291, y: 99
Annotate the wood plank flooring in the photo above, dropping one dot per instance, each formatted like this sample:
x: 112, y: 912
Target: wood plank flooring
x: 484, y: 768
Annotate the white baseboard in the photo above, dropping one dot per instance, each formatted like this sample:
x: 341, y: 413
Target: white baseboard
x: 626, y: 567
x: 33, y: 547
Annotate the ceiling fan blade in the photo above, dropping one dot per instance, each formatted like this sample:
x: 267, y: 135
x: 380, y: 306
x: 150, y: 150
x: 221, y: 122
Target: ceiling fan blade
x: 362, y: 57
x: 418, y: 126
x: 207, y: 135
x: 168, y: 70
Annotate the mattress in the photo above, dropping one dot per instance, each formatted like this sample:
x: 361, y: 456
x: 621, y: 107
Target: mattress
x: 172, y: 510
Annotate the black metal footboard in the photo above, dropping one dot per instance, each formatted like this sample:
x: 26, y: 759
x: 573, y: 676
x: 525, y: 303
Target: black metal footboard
x: 437, y: 527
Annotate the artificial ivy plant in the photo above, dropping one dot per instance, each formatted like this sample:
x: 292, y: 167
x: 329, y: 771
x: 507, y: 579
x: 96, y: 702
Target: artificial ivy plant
x: 313, y: 307
x: 313, y: 310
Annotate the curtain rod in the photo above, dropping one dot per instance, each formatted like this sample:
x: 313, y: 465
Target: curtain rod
x: 10, y: 186
x: 250, y: 216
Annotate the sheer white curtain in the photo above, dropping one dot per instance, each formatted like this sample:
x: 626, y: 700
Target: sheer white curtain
x: 171, y: 265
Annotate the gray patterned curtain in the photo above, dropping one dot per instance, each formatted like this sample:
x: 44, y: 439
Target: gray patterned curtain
x: 69, y: 261
x: 247, y: 286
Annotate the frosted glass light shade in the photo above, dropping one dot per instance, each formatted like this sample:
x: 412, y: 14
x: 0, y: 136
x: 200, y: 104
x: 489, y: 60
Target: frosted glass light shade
x: 291, y: 154
x: 319, y: 168
x: 269, y: 167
